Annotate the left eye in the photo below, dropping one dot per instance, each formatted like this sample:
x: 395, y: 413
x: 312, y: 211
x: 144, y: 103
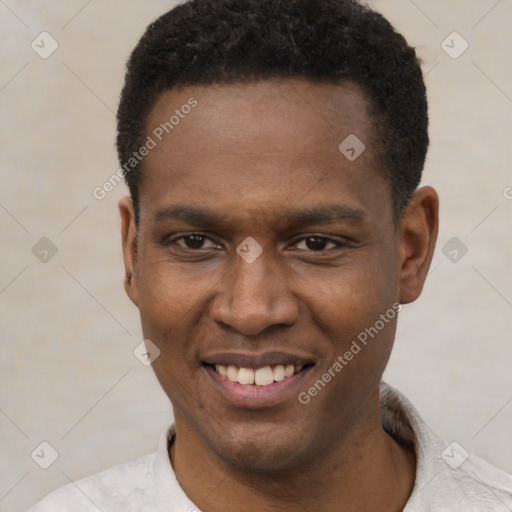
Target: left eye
x: 192, y: 241
x: 317, y: 243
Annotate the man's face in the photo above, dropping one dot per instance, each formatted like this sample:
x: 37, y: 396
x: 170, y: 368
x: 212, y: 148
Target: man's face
x: 258, y: 160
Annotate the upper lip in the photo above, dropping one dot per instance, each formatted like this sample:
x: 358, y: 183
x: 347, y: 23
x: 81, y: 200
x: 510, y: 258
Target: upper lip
x: 247, y: 360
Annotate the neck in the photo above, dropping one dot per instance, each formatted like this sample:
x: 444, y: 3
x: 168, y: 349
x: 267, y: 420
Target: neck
x: 366, y: 471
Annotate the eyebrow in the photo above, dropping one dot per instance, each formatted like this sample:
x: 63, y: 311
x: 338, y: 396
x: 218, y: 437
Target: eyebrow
x: 320, y: 215
x: 328, y: 214
x: 189, y: 214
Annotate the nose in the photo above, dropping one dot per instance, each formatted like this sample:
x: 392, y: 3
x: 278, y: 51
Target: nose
x: 254, y: 297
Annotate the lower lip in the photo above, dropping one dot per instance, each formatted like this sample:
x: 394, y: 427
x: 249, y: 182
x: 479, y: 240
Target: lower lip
x: 257, y: 397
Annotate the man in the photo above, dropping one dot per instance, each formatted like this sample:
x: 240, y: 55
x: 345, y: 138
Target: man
x: 273, y: 151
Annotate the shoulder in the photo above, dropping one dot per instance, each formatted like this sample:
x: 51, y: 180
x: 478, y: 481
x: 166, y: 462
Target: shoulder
x: 460, y: 480
x: 448, y: 477
x: 123, y: 487
x: 148, y: 484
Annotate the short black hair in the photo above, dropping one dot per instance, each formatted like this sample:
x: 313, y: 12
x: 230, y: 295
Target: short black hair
x: 202, y: 42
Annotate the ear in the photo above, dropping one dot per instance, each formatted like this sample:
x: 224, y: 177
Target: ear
x: 419, y: 226
x: 129, y: 237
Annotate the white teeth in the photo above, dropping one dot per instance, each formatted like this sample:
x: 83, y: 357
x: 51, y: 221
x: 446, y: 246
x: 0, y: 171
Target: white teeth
x: 264, y: 376
x: 246, y: 376
x: 260, y: 377
x: 232, y: 373
x: 279, y: 373
x: 220, y: 368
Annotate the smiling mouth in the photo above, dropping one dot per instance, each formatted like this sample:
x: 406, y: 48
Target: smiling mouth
x: 263, y: 376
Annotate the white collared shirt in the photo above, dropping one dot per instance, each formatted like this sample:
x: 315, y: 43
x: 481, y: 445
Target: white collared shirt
x: 448, y: 478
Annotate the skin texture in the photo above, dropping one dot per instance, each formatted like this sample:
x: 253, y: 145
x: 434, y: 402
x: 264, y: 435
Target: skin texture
x: 250, y: 154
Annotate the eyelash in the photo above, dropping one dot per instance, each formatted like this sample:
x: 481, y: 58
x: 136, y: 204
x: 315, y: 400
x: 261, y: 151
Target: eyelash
x: 173, y: 240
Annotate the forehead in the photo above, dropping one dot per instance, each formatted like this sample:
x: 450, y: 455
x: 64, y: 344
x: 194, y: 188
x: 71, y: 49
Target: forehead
x: 261, y: 144
x: 265, y: 109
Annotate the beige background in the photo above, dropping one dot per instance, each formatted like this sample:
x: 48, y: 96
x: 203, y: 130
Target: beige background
x: 68, y: 375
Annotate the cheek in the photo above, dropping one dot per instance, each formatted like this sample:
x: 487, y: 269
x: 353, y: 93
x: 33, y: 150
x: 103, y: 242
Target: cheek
x: 172, y: 310
x: 347, y: 304
x: 169, y: 299
x: 355, y: 291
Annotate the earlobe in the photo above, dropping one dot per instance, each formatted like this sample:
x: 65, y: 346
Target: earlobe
x: 418, y: 234
x: 128, y: 238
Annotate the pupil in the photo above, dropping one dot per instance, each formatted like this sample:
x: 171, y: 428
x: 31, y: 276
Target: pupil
x: 194, y: 241
x: 315, y: 243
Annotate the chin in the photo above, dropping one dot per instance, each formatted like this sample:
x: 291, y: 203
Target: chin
x: 266, y: 451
